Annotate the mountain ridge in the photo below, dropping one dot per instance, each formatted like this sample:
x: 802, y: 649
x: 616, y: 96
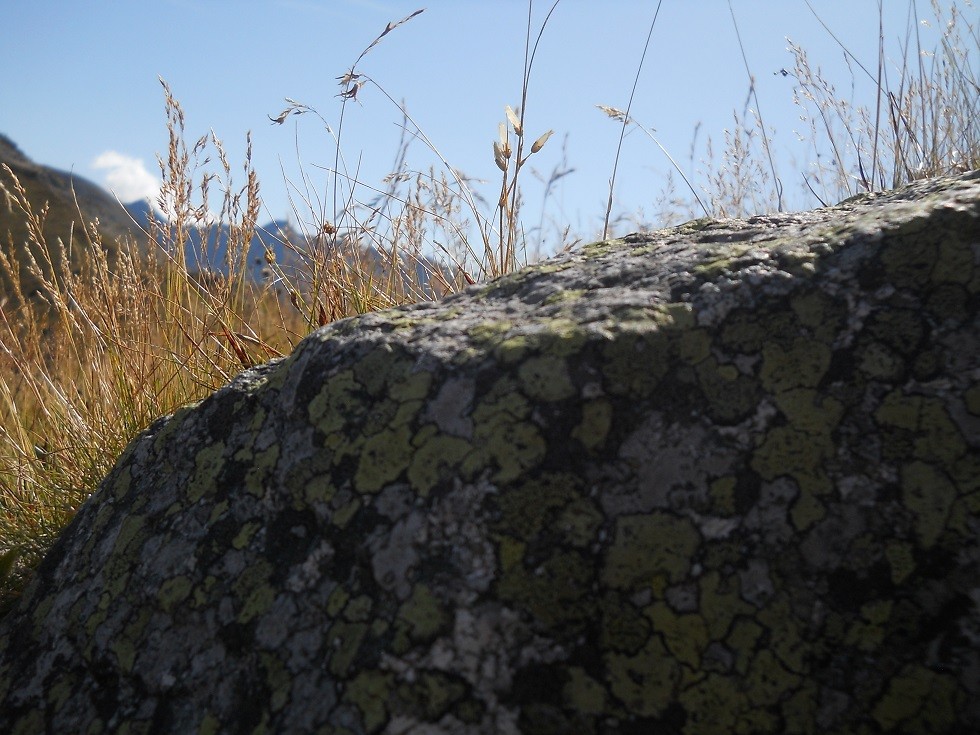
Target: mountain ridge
x: 71, y: 201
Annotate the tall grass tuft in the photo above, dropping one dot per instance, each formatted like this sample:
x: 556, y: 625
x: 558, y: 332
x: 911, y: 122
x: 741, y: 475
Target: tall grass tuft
x: 922, y: 120
x: 108, y: 342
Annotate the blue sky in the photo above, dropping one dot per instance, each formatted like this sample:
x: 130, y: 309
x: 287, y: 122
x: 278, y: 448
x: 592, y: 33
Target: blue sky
x: 80, y: 87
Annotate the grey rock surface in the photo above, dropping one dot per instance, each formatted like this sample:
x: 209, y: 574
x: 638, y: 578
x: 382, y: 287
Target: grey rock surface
x: 718, y: 478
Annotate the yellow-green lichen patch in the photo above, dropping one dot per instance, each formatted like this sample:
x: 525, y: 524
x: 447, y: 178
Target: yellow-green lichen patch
x: 340, y: 401
x: 337, y: 601
x: 381, y: 368
x: 126, y: 644
x: 210, y: 725
x: 956, y: 262
x: 489, y: 332
x: 685, y: 634
x: 557, y: 337
x: 800, y: 365
x: 811, y: 412
x: 432, y: 694
x: 603, y: 247
x: 900, y: 329
x: 510, y: 551
x: 909, y: 264
x: 503, y: 436
x: 554, y: 589
x: 802, y: 455
x: 578, y: 522
x: 697, y: 225
x: 635, y: 363
x: 130, y: 530
x: 358, y: 610
x: 526, y: 510
x: 768, y: 682
x: 344, y: 640
x: 901, y: 559
x: 436, y: 458
x: 279, y: 679
x: 919, y: 701
x: 369, y: 692
x: 208, y: 462
x: 384, y: 457
x: 420, y: 618
x: 592, y: 430
x: 720, y: 603
x: 259, y: 469
x: 748, y: 332
x: 722, y: 263
x: 624, y: 628
x: 730, y: 395
x: 173, y: 592
x: 929, y: 495
x: 545, y: 378
x: 681, y: 315
x: 693, y: 345
x: 879, y: 362
x: 645, y: 682
x: 219, y: 509
x: 807, y: 509
x: 512, y: 350
x: 867, y: 633
x: 787, y: 639
x: 572, y: 294
x: 560, y: 337
x: 343, y: 515
x: 583, y: 693
x: 254, y: 591
x: 715, y: 704
x: 797, y: 259
x: 245, y: 534
x: 410, y: 391
x: 650, y: 551
x: 125, y: 652
x: 722, y: 491
x: 801, y: 449
x: 743, y: 639
x: 121, y: 481
x: 925, y: 423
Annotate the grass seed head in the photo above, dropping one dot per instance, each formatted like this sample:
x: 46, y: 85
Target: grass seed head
x: 515, y: 121
x: 500, y: 156
x: 539, y: 143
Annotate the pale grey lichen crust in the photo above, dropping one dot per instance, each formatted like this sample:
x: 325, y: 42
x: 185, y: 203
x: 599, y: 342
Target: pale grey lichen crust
x: 721, y: 478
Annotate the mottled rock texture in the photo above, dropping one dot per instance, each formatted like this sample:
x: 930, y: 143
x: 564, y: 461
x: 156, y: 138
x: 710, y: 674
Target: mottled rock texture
x: 719, y: 478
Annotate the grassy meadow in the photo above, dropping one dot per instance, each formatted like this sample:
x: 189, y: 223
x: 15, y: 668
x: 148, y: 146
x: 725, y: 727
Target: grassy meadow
x: 110, y: 336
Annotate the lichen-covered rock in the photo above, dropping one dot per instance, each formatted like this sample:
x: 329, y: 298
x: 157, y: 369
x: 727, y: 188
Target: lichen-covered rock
x: 720, y: 478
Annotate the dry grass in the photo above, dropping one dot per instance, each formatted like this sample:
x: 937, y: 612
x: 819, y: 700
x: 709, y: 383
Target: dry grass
x: 104, y: 348
x: 923, y: 120
x: 125, y: 335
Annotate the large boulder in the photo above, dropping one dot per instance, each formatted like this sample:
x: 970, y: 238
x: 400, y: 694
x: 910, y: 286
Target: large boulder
x: 718, y: 478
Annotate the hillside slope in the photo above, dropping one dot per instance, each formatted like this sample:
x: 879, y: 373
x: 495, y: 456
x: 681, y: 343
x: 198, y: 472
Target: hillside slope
x: 70, y: 200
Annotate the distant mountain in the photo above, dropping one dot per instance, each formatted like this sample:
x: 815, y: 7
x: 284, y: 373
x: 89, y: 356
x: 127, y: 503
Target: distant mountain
x: 213, y: 258
x: 72, y: 199
x: 66, y: 195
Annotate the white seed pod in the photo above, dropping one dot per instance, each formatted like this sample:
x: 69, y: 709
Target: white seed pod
x: 499, y: 157
x: 539, y: 143
x: 515, y: 121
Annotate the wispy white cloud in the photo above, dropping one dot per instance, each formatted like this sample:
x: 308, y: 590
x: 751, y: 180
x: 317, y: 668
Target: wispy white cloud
x: 127, y: 177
